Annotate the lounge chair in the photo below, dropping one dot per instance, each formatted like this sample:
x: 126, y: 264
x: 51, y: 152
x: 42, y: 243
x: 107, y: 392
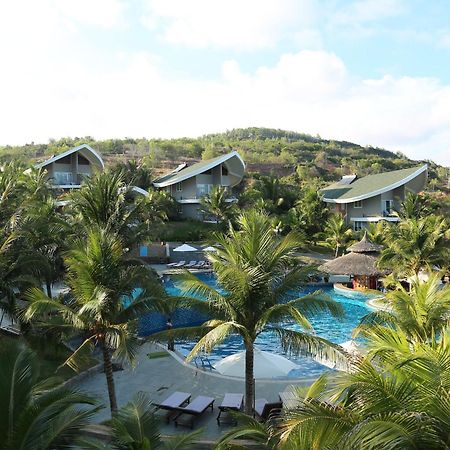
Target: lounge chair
x: 191, y: 264
x: 195, y: 409
x: 179, y: 265
x: 231, y: 402
x: 174, y: 401
x: 169, y: 265
x: 263, y: 409
x: 199, y: 265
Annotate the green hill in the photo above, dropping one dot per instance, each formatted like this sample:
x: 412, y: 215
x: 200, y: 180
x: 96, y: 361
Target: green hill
x: 265, y: 150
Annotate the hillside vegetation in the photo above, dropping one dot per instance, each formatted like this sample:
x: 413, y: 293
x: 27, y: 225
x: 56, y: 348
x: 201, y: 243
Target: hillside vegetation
x: 265, y: 151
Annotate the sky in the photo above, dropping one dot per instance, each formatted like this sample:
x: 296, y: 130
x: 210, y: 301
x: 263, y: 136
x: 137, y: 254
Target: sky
x: 374, y: 72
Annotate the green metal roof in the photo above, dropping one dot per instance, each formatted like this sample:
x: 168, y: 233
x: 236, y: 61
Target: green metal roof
x: 196, y: 169
x: 370, y: 185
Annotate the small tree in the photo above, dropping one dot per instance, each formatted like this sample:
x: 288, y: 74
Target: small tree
x: 337, y: 233
x: 255, y: 269
x: 217, y: 204
x: 102, y: 282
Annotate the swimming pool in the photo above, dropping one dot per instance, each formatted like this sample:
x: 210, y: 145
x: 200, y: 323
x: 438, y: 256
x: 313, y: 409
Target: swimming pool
x: 337, y: 331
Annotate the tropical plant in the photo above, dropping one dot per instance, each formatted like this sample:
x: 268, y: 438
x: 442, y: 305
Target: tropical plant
x: 420, y: 312
x: 411, y: 208
x: 102, y: 281
x: 377, y: 231
x: 43, y: 230
x: 400, y: 402
x: 309, y: 214
x: 135, y: 173
x: 103, y: 201
x: 255, y: 269
x: 415, y: 244
x: 38, y: 414
x: 336, y: 232
x: 135, y: 426
x: 217, y: 204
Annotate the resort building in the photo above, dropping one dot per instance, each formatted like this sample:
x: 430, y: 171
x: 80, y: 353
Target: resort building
x: 188, y: 184
x: 68, y: 169
x: 374, y: 197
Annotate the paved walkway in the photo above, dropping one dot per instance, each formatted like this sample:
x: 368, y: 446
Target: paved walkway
x: 160, y: 377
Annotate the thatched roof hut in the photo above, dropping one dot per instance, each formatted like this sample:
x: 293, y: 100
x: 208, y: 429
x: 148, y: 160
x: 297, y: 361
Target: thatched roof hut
x: 365, y: 246
x: 361, y: 263
x: 353, y: 264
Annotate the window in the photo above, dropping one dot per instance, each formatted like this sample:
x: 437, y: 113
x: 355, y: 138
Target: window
x: 357, y: 226
x: 204, y: 189
x: 63, y: 178
x: 179, y: 209
x: 357, y: 204
x: 388, y: 206
x: 179, y: 187
x: 224, y: 170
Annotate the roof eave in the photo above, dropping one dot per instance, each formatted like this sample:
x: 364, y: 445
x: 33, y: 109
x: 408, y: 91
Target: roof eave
x: 203, y: 169
x: 69, y: 152
x: 378, y: 191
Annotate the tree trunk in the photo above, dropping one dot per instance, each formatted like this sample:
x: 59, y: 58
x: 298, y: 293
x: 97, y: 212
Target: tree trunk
x: 249, y: 380
x: 48, y: 284
x: 109, y: 378
x: 337, y: 251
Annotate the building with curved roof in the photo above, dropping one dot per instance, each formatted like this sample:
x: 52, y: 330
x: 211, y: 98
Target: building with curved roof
x: 188, y: 184
x: 374, y: 197
x: 68, y: 169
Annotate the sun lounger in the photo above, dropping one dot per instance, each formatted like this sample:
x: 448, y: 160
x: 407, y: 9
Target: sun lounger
x: 263, y: 409
x: 195, y: 409
x: 178, y: 265
x: 174, y: 401
x: 191, y: 264
x: 231, y: 402
x: 172, y: 264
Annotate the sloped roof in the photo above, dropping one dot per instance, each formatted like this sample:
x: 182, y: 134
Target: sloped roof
x: 365, y: 246
x: 200, y: 167
x: 370, y: 185
x: 353, y: 264
x: 86, y: 150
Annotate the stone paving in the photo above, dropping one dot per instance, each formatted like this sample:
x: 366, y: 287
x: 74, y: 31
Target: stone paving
x: 160, y: 377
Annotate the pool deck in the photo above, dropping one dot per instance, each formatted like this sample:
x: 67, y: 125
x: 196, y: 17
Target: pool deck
x: 160, y: 377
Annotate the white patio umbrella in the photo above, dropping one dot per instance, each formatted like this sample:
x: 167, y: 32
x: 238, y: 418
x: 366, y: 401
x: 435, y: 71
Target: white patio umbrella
x: 210, y: 249
x: 266, y: 365
x: 185, y: 248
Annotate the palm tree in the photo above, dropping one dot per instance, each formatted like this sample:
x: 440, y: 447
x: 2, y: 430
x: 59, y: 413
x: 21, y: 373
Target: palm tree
x: 135, y: 426
x: 103, y: 201
x: 377, y: 231
x: 38, y: 414
x: 254, y: 268
x: 101, y: 280
x: 44, y: 230
x: 415, y: 244
x: 411, y: 207
x: 420, y: 312
x: 337, y: 233
x: 401, y: 402
x: 217, y: 204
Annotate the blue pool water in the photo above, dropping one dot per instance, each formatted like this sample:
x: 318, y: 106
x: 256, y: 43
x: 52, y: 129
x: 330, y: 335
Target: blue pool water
x: 335, y: 330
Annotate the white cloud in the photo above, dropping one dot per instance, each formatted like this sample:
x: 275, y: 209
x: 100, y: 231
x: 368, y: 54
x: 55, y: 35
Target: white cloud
x: 101, y: 13
x: 249, y: 24
x: 366, y: 11
x: 49, y: 87
x: 310, y: 91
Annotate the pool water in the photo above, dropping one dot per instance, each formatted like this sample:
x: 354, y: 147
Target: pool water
x: 325, y: 325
